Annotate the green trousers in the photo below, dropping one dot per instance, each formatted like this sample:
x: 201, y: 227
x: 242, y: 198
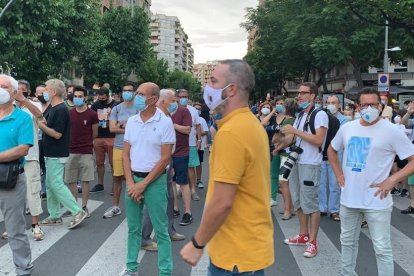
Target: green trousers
x: 155, y: 199
x: 57, y: 191
x: 274, y: 172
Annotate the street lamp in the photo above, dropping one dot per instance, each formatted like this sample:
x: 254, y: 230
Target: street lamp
x: 386, y: 50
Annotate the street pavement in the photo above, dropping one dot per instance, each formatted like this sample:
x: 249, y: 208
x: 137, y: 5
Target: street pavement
x: 98, y: 246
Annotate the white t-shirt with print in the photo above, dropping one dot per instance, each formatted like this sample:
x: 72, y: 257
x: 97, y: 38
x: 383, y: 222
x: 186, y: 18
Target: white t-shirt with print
x: 369, y: 153
x: 33, y: 153
x: 311, y: 154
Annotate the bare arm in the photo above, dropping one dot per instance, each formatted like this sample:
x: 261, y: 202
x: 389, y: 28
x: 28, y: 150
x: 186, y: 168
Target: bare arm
x: 37, y: 113
x: 115, y: 128
x: 315, y: 139
x: 216, y: 212
x: 265, y: 120
x: 94, y: 131
x: 182, y: 129
x: 336, y: 165
x: 14, y: 153
x: 49, y: 131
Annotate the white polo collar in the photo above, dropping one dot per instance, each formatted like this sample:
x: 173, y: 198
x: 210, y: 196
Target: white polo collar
x: 155, y: 117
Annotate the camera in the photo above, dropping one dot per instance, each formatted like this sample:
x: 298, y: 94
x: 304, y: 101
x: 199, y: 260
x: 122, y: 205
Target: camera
x: 291, y: 160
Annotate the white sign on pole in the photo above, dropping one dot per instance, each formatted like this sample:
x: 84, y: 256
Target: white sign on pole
x: 383, y: 82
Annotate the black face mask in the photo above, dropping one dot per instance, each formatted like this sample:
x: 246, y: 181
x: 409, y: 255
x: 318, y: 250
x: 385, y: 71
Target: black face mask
x: 26, y: 94
x: 103, y: 101
x: 42, y: 99
x: 70, y: 97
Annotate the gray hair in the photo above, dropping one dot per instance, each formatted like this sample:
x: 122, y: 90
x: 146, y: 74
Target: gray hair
x: 57, y: 85
x: 241, y: 74
x: 164, y: 93
x: 13, y: 81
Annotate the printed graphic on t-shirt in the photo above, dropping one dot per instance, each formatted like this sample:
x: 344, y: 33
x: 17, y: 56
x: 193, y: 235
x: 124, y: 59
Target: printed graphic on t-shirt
x: 358, y: 149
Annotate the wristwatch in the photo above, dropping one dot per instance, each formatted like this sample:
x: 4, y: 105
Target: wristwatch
x: 196, y: 245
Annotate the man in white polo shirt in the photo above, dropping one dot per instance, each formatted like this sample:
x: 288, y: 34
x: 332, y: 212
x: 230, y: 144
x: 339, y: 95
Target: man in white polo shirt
x: 148, y: 141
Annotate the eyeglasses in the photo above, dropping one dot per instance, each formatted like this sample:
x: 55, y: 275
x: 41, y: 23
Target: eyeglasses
x: 301, y: 93
x: 372, y: 105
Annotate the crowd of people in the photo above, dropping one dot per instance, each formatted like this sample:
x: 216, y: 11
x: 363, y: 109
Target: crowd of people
x: 322, y: 158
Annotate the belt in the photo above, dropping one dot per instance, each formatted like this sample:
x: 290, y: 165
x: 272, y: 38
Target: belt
x: 143, y: 174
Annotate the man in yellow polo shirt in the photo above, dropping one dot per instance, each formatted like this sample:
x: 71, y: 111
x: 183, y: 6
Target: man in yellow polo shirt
x: 237, y: 225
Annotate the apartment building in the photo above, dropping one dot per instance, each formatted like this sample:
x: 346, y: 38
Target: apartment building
x: 202, y: 71
x: 170, y: 42
x: 145, y: 4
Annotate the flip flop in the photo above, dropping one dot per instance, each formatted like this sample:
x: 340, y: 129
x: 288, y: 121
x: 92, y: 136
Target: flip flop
x: 335, y: 217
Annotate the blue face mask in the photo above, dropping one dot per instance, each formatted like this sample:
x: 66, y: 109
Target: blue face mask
x: 127, y: 96
x: 183, y: 101
x: 139, y: 103
x: 46, y: 96
x: 280, y: 108
x: 218, y: 116
x: 173, y: 107
x: 304, y: 105
x: 317, y: 106
x: 78, y: 101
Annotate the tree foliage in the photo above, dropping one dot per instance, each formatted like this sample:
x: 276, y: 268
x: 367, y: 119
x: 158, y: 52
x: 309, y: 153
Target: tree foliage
x: 185, y: 80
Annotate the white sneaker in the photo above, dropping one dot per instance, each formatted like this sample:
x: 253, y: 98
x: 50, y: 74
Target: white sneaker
x: 273, y: 203
x: 112, y: 211
x: 37, y: 233
x: 77, y: 219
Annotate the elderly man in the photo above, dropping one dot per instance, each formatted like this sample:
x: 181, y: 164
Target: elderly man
x: 56, y: 138
x: 329, y: 191
x: 17, y: 137
x: 149, y: 138
x: 237, y: 206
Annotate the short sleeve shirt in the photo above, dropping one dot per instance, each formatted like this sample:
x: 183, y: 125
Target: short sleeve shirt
x: 195, y: 121
x: 204, y: 128
x: 240, y: 157
x: 182, y: 117
x: 103, y: 111
x: 120, y: 114
x: 146, y: 140
x: 33, y: 151
x: 81, y: 131
x: 59, y: 120
x: 16, y: 129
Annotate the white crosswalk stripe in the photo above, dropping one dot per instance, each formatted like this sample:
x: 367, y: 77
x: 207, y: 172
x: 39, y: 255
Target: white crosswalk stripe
x: 109, y: 258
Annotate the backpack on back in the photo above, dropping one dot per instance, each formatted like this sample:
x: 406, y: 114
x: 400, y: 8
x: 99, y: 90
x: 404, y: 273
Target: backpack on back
x: 333, y: 127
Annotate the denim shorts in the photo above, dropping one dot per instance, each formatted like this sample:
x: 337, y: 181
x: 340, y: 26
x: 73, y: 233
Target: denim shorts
x: 180, y: 165
x: 217, y: 271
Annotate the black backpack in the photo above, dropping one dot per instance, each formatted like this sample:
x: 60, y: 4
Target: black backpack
x: 333, y: 127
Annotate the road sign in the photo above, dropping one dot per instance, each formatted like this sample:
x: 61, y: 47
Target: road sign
x: 383, y: 82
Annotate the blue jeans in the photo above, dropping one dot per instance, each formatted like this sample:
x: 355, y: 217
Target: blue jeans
x: 217, y: 271
x: 379, y: 222
x: 329, y: 190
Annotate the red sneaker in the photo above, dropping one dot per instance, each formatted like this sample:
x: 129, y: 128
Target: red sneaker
x: 311, y: 249
x: 298, y: 240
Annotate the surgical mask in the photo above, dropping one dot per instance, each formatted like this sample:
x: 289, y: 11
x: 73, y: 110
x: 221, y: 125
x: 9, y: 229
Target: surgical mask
x: 348, y: 118
x: 397, y: 120
x: 139, y: 103
x: 213, y: 97
x: 265, y: 111
x: 280, y: 108
x: 46, y: 96
x: 183, y: 101
x: 42, y: 99
x: 369, y: 114
x: 199, y: 112
x: 304, y: 105
x: 218, y: 116
x: 332, y: 108
x: 357, y: 116
x: 317, y: 106
x: 173, y: 107
x: 4, y: 96
x: 78, y: 102
x: 70, y: 97
x: 127, y: 96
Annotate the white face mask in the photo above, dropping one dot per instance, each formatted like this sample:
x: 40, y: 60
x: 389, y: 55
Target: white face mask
x: 4, y: 96
x: 265, y: 111
x: 397, y: 119
x: 369, y: 114
x: 332, y: 108
x: 213, y: 97
x: 349, y: 118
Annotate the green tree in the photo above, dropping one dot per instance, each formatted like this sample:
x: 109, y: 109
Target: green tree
x: 37, y: 38
x: 154, y: 70
x: 185, y: 80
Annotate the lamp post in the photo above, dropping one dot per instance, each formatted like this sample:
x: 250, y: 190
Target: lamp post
x: 386, y: 50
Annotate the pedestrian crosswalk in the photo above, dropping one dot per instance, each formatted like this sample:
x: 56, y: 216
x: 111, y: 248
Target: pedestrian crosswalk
x: 62, y: 246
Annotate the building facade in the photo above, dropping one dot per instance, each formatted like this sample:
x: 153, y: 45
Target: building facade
x: 202, y: 71
x: 145, y: 4
x: 170, y: 42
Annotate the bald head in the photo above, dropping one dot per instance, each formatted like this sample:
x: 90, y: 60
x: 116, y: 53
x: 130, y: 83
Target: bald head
x: 149, y: 89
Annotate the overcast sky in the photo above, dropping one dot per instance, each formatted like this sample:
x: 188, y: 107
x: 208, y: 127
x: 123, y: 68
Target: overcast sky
x: 213, y: 26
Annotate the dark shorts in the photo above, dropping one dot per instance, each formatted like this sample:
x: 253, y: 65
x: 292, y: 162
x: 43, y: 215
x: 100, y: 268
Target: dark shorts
x: 180, y: 165
x: 201, y: 156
